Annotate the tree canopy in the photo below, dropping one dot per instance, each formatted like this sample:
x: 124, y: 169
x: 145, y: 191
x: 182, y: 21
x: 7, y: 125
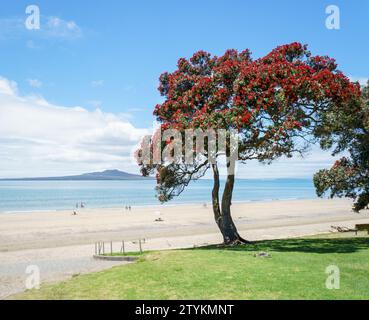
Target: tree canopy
x: 347, y: 130
x: 277, y: 105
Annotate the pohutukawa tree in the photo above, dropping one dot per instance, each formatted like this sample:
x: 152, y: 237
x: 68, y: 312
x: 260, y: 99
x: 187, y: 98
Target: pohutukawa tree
x: 347, y: 130
x: 275, y: 104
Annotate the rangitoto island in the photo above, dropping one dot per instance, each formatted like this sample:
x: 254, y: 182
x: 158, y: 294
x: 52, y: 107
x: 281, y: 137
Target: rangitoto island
x: 93, y: 176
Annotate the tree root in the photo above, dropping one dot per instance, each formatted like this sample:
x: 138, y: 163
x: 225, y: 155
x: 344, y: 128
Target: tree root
x: 236, y: 242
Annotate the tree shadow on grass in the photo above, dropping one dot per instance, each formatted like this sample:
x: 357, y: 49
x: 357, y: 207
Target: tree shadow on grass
x: 328, y: 245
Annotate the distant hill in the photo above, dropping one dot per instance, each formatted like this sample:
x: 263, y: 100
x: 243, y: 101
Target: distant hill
x: 104, y: 175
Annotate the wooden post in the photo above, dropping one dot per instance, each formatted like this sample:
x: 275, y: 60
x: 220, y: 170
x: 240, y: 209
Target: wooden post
x: 139, y: 242
x: 111, y: 248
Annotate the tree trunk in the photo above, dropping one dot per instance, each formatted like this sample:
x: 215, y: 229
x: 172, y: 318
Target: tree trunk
x: 222, y: 214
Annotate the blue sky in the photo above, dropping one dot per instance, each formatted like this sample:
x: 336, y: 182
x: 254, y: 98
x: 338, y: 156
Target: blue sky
x: 109, y: 54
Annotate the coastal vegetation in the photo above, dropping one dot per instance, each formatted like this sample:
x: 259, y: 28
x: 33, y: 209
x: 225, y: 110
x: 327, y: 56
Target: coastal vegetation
x: 348, y: 131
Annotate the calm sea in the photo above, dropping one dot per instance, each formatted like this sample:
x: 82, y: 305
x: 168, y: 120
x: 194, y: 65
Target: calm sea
x: 54, y: 195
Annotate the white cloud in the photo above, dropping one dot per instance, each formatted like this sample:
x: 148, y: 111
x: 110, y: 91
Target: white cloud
x: 39, y: 139
x: 7, y: 87
x: 35, y: 83
x: 11, y: 28
x: 51, y: 27
x: 59, y: 28
x: 97, y: 83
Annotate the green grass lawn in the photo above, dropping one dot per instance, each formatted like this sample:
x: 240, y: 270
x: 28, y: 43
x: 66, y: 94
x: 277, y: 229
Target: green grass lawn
x: 295, y: 270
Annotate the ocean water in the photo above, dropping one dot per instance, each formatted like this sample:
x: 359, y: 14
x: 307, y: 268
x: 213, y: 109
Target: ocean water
x: 18, y: 196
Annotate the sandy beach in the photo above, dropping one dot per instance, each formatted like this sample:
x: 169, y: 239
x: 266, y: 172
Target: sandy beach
x: 62, y: 244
